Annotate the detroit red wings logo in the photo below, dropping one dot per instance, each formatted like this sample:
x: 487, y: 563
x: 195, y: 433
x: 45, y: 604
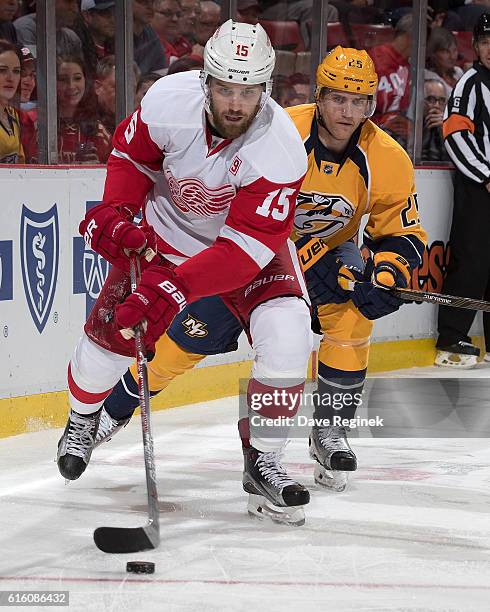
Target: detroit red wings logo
x: 192, y: 195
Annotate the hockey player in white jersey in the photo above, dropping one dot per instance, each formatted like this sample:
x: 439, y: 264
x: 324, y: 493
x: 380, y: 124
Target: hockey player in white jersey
x: 216, y: 166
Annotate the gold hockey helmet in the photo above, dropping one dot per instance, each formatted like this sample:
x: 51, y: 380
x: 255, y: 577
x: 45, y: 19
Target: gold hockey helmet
x: 349, y: 70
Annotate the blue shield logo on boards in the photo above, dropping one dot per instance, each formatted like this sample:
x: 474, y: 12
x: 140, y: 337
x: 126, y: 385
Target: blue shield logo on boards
x: 6, y: 271
x: 39, y: 249
x: 89, y: 269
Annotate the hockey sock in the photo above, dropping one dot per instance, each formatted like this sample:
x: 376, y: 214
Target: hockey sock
x: 124, y: 399
x: 266, y: 402
x: 338, y: 395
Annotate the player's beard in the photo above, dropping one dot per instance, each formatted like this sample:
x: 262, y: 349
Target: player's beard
x: 228, y: 130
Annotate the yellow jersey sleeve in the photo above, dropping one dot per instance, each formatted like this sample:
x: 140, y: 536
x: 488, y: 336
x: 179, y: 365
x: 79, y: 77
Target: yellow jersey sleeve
x: 394, y: 223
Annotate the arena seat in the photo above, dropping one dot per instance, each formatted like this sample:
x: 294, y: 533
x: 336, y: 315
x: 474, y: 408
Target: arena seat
x: 303, y: 62
x: 284, y: 35
x: 369, y: 35
x: 285, y: 63
x: 465, y: 47
x: 336, y: 35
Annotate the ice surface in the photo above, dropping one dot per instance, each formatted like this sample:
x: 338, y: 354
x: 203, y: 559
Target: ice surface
x: 410, y: 533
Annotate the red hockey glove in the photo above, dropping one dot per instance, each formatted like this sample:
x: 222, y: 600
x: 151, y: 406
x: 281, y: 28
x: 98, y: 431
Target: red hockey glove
x: 159, y: 296
x: 107, y: 232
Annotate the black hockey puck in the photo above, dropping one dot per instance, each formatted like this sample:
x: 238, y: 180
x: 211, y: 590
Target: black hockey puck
x: 140, y: 567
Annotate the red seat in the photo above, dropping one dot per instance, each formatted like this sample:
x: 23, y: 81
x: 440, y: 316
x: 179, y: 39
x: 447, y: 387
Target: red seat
x: 336, y: 35
x: 369, y: 35
x: 284, y: 35
x: 465, y: 46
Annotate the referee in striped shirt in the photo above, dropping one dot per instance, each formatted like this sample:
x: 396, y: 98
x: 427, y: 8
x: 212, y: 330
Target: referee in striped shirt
x: 466, y: 131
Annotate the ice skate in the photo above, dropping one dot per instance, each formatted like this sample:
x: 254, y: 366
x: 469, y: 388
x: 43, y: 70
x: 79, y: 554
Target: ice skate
x: 77, y: 443
x: 108, y: 427
x: 458, y: 355
x: 333, y: 456
x: 272, y: 492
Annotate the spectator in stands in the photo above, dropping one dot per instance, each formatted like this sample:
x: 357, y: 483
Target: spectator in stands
x: 435, y: 100
x: 81, y: 136
x: 393, y: 69
x: 8, y: 11
x: 283, y: 92
x: 166, y: 24
x: 144, y: 83
x: 186, y: 63
x: 468, y: 11
x: 148, y: 50
x: 295, y: 10
x: 67, y: 42
x: 28, y: 107
x: 442, y: 55
x: 96, y: 27
x: 27, y: 81
x: 301, y: 87
x: 11, y: 150
x: 248, y: 11
x: 105, y: 90
x: 187, y: 23
x: 208, y: 20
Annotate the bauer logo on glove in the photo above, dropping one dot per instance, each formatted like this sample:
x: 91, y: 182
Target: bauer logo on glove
x: 175, y: 293
x: 159, y: 296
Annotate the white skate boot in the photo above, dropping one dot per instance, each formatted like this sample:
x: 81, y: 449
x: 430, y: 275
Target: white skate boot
x: 333, y: 456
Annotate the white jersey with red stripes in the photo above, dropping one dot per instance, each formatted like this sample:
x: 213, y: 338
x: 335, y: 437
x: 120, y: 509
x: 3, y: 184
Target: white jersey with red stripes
x: 200, y: 188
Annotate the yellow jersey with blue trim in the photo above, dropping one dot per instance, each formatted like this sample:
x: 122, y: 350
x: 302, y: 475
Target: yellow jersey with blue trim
x: 374, y: 176
x: 11, y: 150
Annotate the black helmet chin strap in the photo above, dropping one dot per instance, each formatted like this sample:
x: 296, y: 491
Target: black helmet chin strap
x: 320, y: 120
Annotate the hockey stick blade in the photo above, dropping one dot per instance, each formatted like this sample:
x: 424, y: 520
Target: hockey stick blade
x: 120, y: 540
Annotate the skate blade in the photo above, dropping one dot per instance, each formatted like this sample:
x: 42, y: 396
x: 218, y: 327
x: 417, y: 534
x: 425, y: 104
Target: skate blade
x: 260, y: 507
x: 444, y: 359
x: 330, y: 479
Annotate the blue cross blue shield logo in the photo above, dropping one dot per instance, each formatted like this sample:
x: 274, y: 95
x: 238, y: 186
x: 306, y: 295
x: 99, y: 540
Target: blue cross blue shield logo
x: 89, y: 269
x: 6, y: 270
x: 39, y: 248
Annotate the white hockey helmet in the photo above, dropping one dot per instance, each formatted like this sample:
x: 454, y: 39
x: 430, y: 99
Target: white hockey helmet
x: 239, y: 53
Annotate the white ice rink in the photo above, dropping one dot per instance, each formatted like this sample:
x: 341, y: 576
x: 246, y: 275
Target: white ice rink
x: 411, y: 532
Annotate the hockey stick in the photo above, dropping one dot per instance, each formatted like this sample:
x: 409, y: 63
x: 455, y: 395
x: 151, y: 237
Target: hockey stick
x: 136, y: 539
x: 414, y: 295
x: 441, y: 298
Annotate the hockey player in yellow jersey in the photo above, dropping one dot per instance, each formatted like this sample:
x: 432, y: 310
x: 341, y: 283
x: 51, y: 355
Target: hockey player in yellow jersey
x: 354, y: 169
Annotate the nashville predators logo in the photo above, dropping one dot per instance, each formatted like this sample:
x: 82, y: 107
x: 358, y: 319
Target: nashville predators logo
x: 194, y: 328
x: 319, y: 215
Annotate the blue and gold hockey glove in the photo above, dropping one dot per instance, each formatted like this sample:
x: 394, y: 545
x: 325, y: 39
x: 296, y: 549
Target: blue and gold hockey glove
x: 374, y: 300
x: 322, y: 280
